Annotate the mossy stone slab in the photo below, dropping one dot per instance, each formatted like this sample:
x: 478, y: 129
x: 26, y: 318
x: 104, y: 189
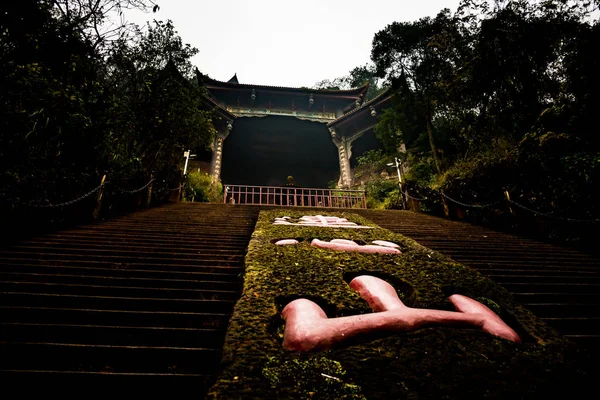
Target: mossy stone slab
x: 432, y: 363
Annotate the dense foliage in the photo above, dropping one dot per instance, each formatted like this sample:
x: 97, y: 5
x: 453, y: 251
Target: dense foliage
x: 199, y: 187
x: 82, y: 98
x: 357, y: 77
x: 499, y: 97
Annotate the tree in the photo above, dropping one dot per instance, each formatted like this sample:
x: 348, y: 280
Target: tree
x: 501, y: 110
x: 98, y: 22
x: 357, y: 77
x: 49, y: 97
x: 158, y: 111
x: 421, y: 59
x: 73, y: 110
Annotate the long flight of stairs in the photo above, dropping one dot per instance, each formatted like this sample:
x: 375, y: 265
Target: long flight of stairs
x: 559, y: 285
x: 143, y: 299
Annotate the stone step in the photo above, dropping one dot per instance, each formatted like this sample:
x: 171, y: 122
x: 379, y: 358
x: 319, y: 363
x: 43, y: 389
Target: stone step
x: 111, y: 335
x: 558, y: 284
x: 230, y: 274
x: 136, y: 302
x: 113, y: 317
x: 109, y: 358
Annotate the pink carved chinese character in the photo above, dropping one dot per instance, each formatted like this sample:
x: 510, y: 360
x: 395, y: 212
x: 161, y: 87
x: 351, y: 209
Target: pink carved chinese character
x: 308, y: 328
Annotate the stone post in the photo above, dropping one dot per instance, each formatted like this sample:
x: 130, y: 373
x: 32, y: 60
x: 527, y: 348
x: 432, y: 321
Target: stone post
x: 344, y: 153
x: 217, y: 156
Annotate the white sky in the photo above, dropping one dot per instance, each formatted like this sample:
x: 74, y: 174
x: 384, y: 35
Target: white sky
x: 281, y: 42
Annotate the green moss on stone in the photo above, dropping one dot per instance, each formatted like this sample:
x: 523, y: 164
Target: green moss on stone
x: 432, y: 363
x: 310, y: 378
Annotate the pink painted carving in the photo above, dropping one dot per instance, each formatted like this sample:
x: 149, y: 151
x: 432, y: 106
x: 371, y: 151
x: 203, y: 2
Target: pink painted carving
x: 286, y: 242
x: 349, y: 246
x: 308, y: 328
x: 344, y: 241
x: 320, y: 221
x: 385, y: 243
x: 282, y: 221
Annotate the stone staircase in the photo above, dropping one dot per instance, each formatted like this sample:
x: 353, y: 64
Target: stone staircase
x: 143, y: 299
x: 559, y: 285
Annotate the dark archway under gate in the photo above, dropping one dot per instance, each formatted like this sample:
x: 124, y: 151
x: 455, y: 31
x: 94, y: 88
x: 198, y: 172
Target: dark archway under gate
x: 368, y: 141
x: 263, y: 151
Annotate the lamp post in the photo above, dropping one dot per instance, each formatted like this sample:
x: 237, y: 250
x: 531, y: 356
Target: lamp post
x: 397, y: 169
x: 398, y: 164
x: 187, y: 155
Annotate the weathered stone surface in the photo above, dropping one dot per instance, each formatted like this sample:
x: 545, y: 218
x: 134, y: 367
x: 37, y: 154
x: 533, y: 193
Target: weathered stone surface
x: 428, y: 363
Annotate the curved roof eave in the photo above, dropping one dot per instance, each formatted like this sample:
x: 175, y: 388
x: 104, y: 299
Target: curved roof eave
x: 362, y: 90
x: 382, y: 97
x: 219, y: 107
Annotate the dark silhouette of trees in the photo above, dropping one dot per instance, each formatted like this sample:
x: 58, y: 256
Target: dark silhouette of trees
x: 498, y: 98
x: 79, y: 100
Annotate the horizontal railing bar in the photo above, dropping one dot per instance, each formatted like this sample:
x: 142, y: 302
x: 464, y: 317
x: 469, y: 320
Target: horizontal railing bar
x: 294, y: 188
x: 294, y: 196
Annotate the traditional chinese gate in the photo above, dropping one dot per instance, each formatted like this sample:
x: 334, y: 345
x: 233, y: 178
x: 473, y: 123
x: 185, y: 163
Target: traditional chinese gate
x: 294, y: 197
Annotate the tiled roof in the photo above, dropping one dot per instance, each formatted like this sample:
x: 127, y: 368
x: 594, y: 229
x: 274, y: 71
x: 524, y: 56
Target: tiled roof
x: 233, y: 79
x: 356, y: 91
x: 381, y: 97
x: 216, y: 104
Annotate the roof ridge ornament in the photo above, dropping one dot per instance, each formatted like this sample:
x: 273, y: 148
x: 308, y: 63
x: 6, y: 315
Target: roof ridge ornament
x: 358, y: 101
x: 233, y: 79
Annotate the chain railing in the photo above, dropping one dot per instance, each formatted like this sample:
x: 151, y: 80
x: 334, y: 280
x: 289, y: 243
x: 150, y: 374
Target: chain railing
x: 414, y: 198
x: 591, y: 221
x: 460, y: 203
x: 300, y: 197
x: 135, y: 190
x: 70, y: 202
x: 470, y: 205
x: 163, y: 189
x: 78, y: 199
x: 488, y: 205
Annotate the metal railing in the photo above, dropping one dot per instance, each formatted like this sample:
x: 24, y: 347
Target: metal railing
x: 294, y: 197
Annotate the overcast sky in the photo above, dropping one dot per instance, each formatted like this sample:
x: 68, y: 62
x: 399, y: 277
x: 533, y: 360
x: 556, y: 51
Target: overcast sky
x: 282, y: 42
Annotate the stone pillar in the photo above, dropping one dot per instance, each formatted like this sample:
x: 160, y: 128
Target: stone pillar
x: 344, y: 153
x: 217, y: 155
